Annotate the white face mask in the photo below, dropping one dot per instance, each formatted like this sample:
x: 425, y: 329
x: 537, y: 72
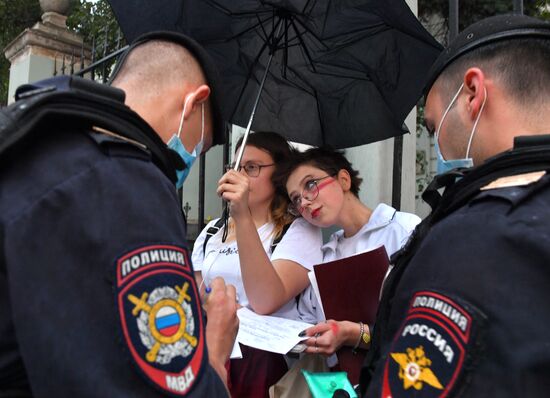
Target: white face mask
x: 445, y: 165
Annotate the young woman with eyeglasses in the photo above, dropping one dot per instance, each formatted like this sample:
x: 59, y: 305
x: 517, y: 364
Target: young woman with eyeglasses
x: 267, y: 277
x: 324, y: 189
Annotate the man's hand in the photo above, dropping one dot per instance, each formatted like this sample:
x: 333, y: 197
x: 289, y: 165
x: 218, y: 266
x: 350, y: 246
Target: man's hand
x: 222, y: 325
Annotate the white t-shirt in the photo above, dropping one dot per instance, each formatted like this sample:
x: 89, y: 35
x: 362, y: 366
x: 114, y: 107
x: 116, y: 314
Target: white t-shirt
x: 386, y: 226
x: 301, y: 243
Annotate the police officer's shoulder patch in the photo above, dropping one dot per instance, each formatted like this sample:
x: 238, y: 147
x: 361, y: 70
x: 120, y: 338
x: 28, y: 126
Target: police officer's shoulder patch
x: 434, y: 346
x: 160, y: 316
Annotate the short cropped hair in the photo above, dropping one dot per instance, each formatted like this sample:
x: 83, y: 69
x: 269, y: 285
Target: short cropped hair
x: 157, y: 64
x: 324, y: 158
x: 521, y: 65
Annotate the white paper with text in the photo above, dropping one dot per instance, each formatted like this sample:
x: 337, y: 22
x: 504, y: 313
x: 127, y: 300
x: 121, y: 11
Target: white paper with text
x: 269, y: 333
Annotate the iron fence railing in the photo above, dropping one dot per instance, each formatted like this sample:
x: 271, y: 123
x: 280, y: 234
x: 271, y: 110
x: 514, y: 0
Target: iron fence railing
x: 95, y: 62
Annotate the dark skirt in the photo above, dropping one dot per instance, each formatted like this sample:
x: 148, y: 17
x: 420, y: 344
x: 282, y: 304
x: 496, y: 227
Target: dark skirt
x: 251, y: 376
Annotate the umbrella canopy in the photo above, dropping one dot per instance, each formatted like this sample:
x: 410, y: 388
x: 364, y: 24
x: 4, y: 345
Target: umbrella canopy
x: 342, y: 73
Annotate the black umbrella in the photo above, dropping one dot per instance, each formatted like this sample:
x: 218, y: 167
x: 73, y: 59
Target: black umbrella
x: 342, y: 73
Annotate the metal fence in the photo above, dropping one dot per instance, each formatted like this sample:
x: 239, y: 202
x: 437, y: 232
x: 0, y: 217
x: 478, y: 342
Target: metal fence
x: 453, y: 15
x: 104, y: 54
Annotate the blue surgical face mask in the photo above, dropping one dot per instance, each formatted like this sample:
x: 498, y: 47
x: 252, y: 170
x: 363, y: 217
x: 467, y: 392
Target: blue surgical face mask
x: 445, y: 165
x: 189, y: 158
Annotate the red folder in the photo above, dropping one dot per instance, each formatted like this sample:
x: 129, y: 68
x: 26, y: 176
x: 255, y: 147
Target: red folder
x: 350, y: 290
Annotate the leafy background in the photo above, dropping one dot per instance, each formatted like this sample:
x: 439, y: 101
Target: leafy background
x: 91, y: 19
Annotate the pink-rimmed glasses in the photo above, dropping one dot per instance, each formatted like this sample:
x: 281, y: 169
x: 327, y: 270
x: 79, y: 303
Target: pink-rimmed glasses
x: 309, y: 193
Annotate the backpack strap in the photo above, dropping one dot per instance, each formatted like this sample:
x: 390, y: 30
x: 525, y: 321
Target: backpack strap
x: 210, y: 232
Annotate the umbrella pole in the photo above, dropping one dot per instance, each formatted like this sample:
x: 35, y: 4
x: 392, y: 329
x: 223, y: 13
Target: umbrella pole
x: 225, y: 214
x: 397, y: 171
x: 256, y: 101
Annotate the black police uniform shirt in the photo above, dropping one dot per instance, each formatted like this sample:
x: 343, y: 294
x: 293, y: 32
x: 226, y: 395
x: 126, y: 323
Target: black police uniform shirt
x: 471, y: 312
x: 97, y: 294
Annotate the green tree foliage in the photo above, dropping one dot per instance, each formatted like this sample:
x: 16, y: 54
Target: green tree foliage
x: 434, y: 14
x: 94, y: 21
x: 97, y: 25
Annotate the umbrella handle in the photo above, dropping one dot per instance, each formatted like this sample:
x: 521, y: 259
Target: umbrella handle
x: 225, y: 218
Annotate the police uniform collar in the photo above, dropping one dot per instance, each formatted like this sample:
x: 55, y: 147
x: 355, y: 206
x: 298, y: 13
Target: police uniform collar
x: 524, y: 141
x: 484, y: 32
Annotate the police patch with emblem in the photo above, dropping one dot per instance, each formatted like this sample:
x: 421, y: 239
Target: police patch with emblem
x: 160, y: 316
x: 428, y: 354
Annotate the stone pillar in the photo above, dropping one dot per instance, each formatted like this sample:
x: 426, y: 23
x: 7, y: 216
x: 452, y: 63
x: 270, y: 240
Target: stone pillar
x: 38, y: 50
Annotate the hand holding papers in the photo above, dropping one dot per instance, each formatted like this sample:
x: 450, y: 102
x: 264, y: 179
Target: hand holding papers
x: 269, y: 333
x: 236, y: 352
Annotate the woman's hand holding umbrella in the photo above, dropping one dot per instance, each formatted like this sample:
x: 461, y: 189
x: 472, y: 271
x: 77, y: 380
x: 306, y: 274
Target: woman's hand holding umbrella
x: 233, y: 187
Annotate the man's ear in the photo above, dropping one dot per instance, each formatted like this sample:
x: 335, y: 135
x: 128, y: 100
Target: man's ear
x: 344, y: 179
x: 476, y: 90
x: 195, y: 98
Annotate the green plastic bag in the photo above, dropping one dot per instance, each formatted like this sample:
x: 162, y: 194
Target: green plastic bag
x: 323, y: 385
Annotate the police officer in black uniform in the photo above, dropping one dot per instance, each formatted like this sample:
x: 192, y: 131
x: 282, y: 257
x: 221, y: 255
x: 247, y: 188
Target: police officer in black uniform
x: 97, y: 295
x: 466, y: 310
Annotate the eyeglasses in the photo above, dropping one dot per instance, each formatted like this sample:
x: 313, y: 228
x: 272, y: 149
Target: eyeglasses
x: 251, y: 169
x: 309, y: 193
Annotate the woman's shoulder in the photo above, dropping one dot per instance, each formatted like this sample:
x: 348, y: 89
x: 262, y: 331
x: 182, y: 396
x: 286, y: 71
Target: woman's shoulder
x: 211, y: 223
x: 199, y: 247
x: 202, y: 235
x: 384, y: 213
x: 301, y: 223
x: 301, y: 243
x: 300, y: 232
x: 300, y: 228
x: 408, y: 221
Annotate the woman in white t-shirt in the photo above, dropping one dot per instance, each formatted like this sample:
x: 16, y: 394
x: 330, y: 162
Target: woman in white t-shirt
x: 323, y: 188
x: 266, y: 256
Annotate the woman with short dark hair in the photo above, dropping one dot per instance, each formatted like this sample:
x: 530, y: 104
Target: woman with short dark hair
x: 323, y: 188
